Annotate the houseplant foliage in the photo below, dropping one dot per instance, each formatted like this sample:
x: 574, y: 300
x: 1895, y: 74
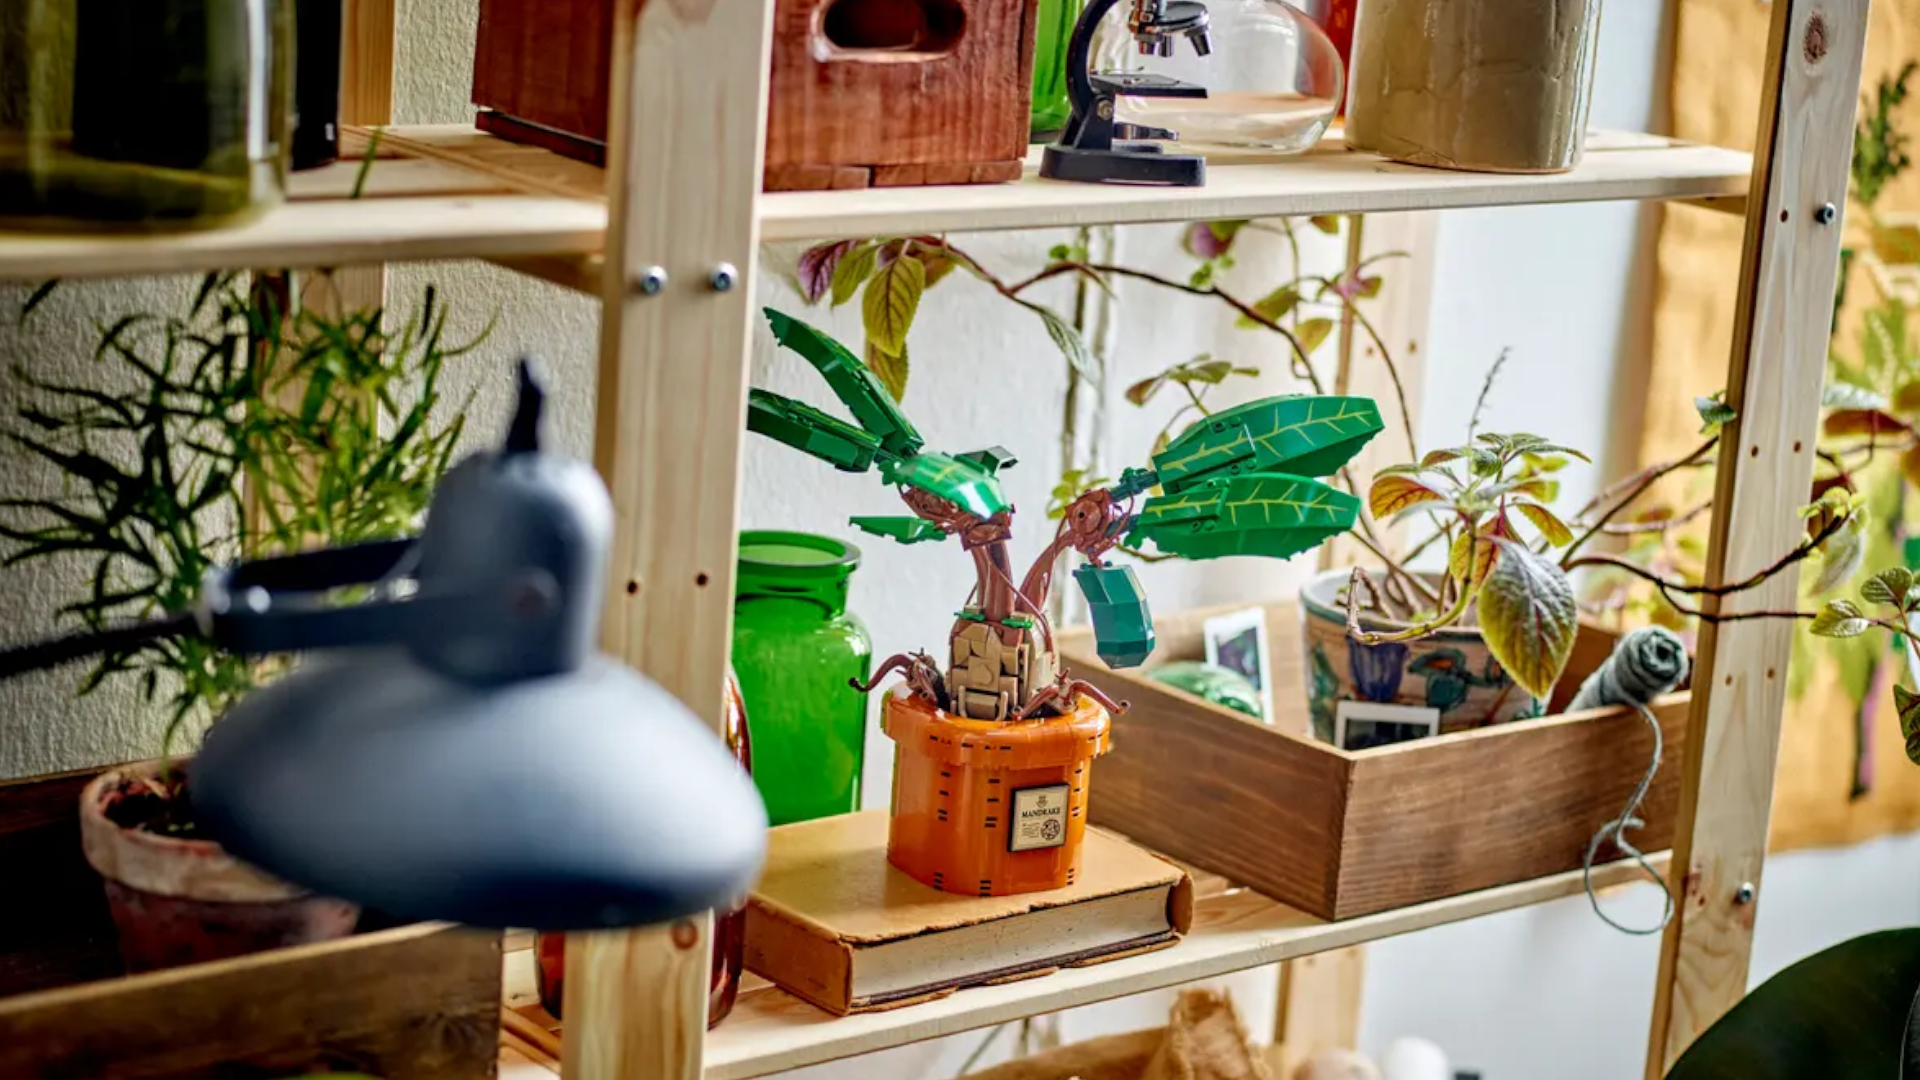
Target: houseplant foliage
x: 243, y: 426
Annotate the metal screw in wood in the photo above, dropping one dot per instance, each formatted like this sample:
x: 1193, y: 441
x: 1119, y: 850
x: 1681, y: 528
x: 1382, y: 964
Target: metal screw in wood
x: 652, y: 279
x: 723, y: 277
x: 1744, y: 894
x: 1826, y: 214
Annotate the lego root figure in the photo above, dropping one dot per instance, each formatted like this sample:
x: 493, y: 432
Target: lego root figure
x: 1220, y: 491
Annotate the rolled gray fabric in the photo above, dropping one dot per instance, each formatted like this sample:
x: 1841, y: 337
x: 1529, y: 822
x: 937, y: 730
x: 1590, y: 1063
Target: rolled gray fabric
x: 1648, y: 662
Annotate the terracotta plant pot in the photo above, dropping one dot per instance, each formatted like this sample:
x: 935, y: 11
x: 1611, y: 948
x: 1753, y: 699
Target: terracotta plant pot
x: 1452, y: 671
x: 1482, y: 85
x: 182, y: 901
x: 990, y: 807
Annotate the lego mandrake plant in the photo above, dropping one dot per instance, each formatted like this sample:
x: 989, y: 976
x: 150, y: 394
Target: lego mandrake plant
x: 1240, y: 482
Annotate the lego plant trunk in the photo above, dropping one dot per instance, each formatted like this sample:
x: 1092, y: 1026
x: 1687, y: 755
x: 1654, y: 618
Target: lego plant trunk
x: 996, y: 744
x: 862, y: 93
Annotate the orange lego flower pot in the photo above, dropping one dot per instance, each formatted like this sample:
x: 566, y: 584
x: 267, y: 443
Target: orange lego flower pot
x: 988, y: 807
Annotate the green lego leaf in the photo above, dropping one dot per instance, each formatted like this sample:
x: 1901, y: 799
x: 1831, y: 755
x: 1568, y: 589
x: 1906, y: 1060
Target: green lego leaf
x: 962, y: 483
x: 1274, y: 515
x: 1300, y: 434
x: 905, y: 530
x: 1122, y: 623
x: 851, y: 382
x: 810, y: 431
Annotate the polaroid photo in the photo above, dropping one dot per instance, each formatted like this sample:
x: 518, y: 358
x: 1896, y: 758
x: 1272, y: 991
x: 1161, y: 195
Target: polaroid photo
x: 1363, y: 725
x: 1238, y: 642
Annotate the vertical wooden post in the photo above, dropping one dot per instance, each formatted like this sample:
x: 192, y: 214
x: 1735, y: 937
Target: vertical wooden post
x: 688, y: 130
x: 1766, y: 465
x: 366, y: 99
x: 1319, y: 1008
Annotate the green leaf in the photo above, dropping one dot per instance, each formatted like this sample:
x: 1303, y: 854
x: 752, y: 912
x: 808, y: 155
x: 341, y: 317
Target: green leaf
x: 890, y: 369
x: 1071, y: 345
x: 1528, y: 616
x: 889, y: 304
x: 1481, y: 550
x: 1312, y: 334
x: 1714, y: 413
x: 1889, y: 587
x: 1552, y: 529
x: 1841, y: 554
x: 1304, y: 435
x: 853, y: 270
x: 1395, y: 494
x: 1840, y: 1014
x: 1840, y: 619
x: 905, y: 530
x: 1274, y: 306
x: 1273, y: 515
x: 1485, y: 462
x: 1845, y: 395
x: 1906, y: 704
x: 961, y: 483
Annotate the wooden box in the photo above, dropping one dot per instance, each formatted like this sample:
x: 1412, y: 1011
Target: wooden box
x: 863, y: 93
x: 420, y: 1002
x: 1341, y: 834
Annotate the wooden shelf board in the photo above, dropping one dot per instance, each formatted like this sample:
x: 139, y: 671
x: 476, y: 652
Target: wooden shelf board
x: 1328, y: 180
x: 771, y: 1031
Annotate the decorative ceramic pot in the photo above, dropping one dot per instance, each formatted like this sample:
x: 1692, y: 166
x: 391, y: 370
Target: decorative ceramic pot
x: 1452, y: 671
x: 990, y: 807
x: 182, y: 901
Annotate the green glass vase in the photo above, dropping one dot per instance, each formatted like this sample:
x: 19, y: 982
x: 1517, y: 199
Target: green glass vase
x: 135, y: 115
x: 1050, y: 106
x: 795, y: 648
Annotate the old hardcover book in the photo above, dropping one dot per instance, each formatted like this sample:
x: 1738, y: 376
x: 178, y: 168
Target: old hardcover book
x: 832, y: 923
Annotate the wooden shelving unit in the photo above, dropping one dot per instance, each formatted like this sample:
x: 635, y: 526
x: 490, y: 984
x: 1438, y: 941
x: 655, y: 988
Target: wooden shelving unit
x: 682, y: 195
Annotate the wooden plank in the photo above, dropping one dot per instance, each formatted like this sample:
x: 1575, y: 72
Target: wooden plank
x: 54, y: 925
x: 420, y: 1002
x: 689, y: 85
x: 771, y: 1031
x: 1329, y: 180
x: 333, y: 233
x: 1479, y: 808
x: 1319, y: 1008
x: 1774, y: 377
x: 366, y: 54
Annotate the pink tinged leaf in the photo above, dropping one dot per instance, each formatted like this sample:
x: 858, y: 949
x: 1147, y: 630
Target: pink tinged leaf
x: 816, y: 268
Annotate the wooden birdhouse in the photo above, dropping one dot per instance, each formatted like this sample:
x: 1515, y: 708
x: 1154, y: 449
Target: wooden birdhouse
x: 863, y: 93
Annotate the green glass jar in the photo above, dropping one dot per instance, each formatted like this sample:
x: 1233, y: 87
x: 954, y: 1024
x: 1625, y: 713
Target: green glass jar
x: 795, y: 649
x: 1055, y: 29
x: 138, y: 115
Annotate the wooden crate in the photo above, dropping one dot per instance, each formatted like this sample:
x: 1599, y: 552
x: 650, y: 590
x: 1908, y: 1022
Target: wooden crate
x: 1341, y: 834
x: 952, y: 109
x: 420, y: 1002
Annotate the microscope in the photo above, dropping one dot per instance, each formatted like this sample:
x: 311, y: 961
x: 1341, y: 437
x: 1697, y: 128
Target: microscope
x: 1095, y: 148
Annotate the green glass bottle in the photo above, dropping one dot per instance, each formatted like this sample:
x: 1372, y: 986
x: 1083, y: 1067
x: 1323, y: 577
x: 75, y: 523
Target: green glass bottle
x: 141, y: 114
x: 794, y: 649
x: 1050, y: 107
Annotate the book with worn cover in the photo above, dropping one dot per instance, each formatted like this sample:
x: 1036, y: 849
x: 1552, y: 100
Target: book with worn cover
x: 833, y: 923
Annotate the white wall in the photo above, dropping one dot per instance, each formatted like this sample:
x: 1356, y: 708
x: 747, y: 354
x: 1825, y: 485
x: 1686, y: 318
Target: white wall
x: 1545, y: 992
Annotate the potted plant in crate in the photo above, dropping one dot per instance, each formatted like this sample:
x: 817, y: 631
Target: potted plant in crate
x: 245, y: 427
x: 1001, y: 723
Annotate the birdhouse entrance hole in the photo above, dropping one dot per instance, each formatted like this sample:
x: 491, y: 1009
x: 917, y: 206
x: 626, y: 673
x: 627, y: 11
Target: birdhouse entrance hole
x: 890, y: 29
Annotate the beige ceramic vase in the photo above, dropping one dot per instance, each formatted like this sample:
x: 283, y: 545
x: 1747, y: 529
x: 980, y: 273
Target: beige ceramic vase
x: 1481, y: 85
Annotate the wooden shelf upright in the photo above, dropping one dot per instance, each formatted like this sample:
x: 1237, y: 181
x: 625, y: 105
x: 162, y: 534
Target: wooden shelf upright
x: 669, y: 237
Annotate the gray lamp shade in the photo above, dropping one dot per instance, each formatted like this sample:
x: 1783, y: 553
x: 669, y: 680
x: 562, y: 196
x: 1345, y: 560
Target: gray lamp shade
x: 583, y: 800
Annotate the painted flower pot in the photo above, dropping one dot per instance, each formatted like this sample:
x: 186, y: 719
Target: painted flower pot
x: 182, y: 901
x: 990, y: 807
x: 1452, y: 671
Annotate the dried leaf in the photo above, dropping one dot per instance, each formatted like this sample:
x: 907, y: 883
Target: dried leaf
x: 1528, y: 617
x: 1392, y: 494
x: 1910, y: 464
x: 1071, y: 345
x: 889, y: 304
x: 1326, y: 223
x: 1440, y: 457
x: 1907, y: 398
x: 1142, y: 392
x: 1863, y: 422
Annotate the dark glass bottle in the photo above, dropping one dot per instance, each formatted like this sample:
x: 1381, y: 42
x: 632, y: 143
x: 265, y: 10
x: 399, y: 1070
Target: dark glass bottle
x: 794, y: 649
x: 141, y: 114
x: 729, y: 927
x: 316, y: 83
